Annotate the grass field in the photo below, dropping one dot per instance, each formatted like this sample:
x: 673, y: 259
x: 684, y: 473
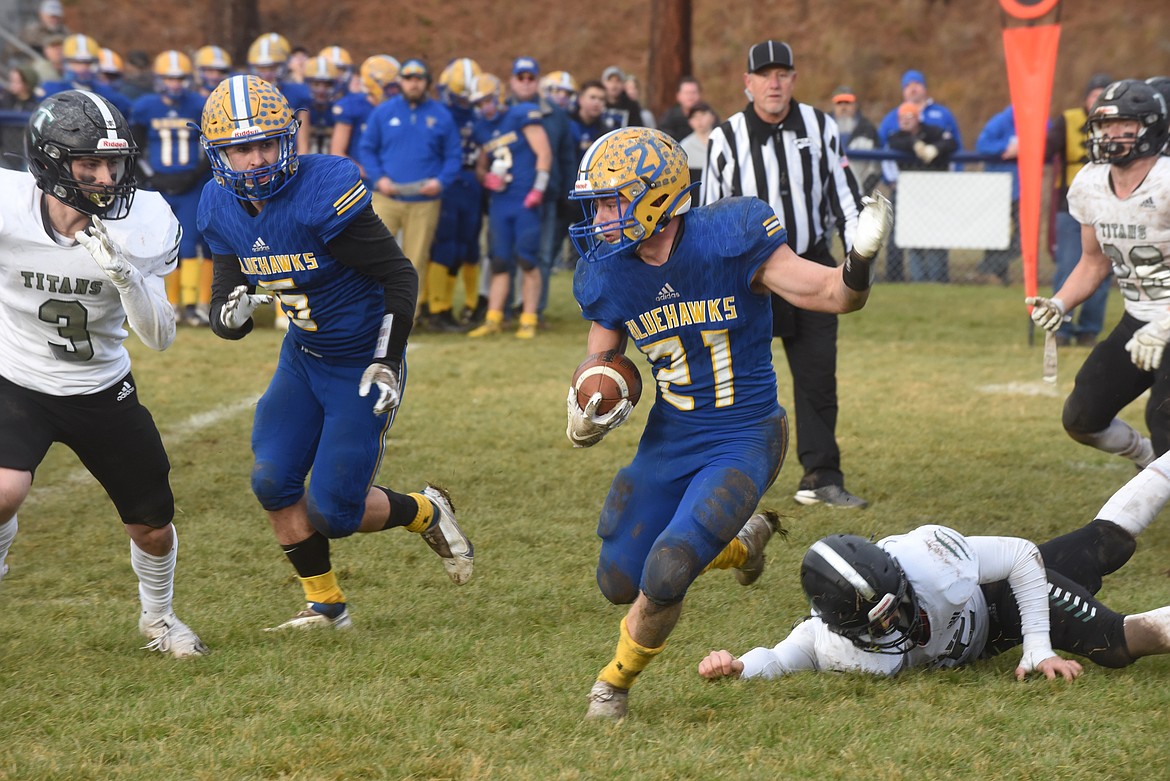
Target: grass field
x: 943, y: 419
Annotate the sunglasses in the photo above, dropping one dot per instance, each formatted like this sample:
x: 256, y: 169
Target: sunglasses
x: 524, y: 77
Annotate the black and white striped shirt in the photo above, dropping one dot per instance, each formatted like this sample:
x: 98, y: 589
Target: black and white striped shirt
x: 796, y: 166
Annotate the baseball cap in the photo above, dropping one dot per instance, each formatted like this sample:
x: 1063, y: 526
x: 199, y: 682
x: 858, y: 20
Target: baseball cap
x: 844, y: 94
x: 52, y: 8
x: 525, y: 65
x: 769, y: 53
x: 612, y: 71
x: 414, y: 67
x: 1098, y: 81
x: 908, y: 108
x: 911, y: 76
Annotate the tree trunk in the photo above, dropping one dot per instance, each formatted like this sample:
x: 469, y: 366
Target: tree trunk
x: 670, y: 52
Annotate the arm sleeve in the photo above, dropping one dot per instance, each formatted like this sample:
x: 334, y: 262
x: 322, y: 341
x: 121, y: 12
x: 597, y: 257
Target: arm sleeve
x: 1018, y: 561
x: 792, y: 654
x: 226, y: 277
x: 149, y: 313
x: 366, y: 245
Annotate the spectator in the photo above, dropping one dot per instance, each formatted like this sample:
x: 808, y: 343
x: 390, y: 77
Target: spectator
x: 620, y: 109
x: 675, y: 121
x: 929, y: 113
x: 857, y: 132
x: 930, y: 148
x: 998, y: 137
x: 49, y: 24
x: 788, y: 154
x: 1068, y: 146
x: 589, y: 116
x: 410, y: 150
x: 634, y: 91
x: 21, y: 94
x: 50, y: 67
x: 702, y: 119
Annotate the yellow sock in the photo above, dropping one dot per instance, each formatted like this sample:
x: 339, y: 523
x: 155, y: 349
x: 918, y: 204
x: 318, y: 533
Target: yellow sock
x: 437, y: 298
x: 450, y: 289
x: 734, y: 555
x: 629, y: 660
x: 528, y: 319
x: 189, y: 280
x: 471, y: 285
x: 206, y: 271
x: 172, y: 281
x: 426, y: 511
x: 322, y: 588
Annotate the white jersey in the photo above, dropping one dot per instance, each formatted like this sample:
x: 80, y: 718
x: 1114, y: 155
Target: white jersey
x: 1133, y: 232
x: 945, y: 570
x: 61, y: 318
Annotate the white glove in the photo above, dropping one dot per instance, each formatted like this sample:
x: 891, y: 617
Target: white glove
x: 96, y: 241
x: 926, y: 152
x: 1048, y: 313
x: 1147, y: 343
x: 386, y: 379
x: 586, y: 427
x: 240, y: 306
x: 872, y: 225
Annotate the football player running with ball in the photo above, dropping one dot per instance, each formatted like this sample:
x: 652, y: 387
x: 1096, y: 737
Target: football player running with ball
x: 934, y: 598
x: 68, y: 283
x: 691, y: 288
x: 302, y: 229
x: 1122, y: 201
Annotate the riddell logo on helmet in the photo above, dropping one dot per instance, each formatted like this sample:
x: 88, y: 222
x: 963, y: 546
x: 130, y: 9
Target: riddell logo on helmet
x: 581, y: 185
x: 113, y: 143
x: 242, y: 132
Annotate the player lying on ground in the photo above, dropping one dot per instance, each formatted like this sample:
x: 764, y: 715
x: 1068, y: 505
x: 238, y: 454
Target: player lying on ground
x: 934, y: 598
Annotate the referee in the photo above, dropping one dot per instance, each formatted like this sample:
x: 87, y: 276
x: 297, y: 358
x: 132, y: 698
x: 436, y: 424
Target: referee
x: 789, y: 154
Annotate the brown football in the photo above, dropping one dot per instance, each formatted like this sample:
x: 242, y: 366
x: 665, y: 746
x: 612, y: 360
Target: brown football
x: 610, y: 373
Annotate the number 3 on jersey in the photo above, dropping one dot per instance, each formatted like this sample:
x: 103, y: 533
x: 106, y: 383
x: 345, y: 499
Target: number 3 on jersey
x: 676, y: 373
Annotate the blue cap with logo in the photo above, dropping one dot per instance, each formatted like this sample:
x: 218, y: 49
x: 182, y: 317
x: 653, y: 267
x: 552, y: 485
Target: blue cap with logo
x: 911, y: 76
x: 525, y: 65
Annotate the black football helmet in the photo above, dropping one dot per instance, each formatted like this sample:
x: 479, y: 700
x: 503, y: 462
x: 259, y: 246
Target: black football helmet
x: 861, y: 593
x: 75, y: 124
x: 1134, y: 100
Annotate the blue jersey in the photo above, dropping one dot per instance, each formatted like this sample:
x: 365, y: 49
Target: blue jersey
x: 120, y: 101
x: 335, y: 311
x: 706, y: 333
x: 172, y: 145
x: 353, y: 110
x: 465, y: 121
x: 321, y: 120
x: 508, y: 150
x: 297, y: 94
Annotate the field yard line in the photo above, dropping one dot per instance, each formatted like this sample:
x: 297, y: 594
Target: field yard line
x: 172, y: 436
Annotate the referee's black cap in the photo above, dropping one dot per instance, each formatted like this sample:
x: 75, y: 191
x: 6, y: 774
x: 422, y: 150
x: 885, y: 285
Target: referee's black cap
x: 769, y: 53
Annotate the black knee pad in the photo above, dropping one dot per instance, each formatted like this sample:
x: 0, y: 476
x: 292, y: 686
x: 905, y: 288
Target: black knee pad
x: 615, y: 585
x: 670, y: 570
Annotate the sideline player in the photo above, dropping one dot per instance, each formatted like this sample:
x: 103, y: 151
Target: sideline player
x: 70, y: 282
x: 303, y: 229
x: 1120, y: 199
x: 934, y: 598
x: 690, y: 288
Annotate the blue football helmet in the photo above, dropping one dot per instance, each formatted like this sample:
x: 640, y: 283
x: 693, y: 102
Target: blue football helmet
x: 245, y: 109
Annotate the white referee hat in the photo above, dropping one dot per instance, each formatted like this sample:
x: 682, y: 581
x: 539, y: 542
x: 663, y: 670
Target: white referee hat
x: 769, y: 53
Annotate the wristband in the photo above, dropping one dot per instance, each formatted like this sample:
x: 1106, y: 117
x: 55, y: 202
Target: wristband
x: 541, y: 182
x: 857, y: 273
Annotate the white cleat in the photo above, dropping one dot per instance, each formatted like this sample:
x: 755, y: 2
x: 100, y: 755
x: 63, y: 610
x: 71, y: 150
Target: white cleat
x: 447, y: 539
x: 607, y: 702
x: 169, y: 635
x: 311, y: 619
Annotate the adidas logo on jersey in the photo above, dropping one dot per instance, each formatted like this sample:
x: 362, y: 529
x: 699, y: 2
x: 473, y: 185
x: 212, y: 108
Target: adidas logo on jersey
x: 126, y: 391
x: 1148, y: 203
x: 260, y: 246
x: 666, y: 293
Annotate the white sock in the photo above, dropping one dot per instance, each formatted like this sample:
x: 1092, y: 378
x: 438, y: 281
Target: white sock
x: 1140, y: 500
x: 7, y: 535
x: 156, y: 577
x: 1122, y: 439
x: 1153, y: 625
